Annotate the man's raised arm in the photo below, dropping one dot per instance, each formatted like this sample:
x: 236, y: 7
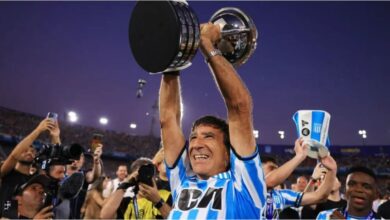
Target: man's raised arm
x: 236, y: 96
x: 170, y: 117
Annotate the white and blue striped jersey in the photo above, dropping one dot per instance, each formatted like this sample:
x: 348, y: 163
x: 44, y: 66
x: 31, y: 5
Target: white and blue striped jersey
x: 277, y: 200
x: 325, y: 215
x: 238, y: 193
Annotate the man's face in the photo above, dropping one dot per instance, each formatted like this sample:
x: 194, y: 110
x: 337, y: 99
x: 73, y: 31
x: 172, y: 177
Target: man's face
x: 77, y: 164
x: 268, y: 167
x: 207, y: 151
x: 28, y: 155
x: 33, y: 196
x: 301, y: 183
x: 360, y: 191
x: 121, y: 172
x: 57, y: 172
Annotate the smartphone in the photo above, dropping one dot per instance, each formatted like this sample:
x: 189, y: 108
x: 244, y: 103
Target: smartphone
x: 96, y: 141
x: 52, y: 115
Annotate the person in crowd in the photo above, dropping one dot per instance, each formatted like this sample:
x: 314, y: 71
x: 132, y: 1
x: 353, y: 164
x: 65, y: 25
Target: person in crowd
x: 31, y: 198
x: 162, y: 179
x: 15, y: 170
x: 112, y: 186
x: 90, y: 176
x: 94, y: 200
x: 360, y: 193
x: 334, y: 200
x: 121, y: 174
x: 302, y: 183
x: 277, y: 200
x: 152, y: 203
x: 225, y: 178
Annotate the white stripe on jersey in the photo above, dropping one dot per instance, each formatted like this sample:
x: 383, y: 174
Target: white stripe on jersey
x: 249, y: 184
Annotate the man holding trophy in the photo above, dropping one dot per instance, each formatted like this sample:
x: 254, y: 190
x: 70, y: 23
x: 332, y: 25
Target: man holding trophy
x: 217, y: 173
x: 226, y: 180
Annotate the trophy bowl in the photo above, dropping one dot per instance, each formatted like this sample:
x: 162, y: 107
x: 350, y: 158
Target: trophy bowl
x: 239, y: 34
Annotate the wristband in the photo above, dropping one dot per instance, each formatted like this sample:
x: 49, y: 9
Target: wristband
x: 159, y: 204
x: 212, y: 54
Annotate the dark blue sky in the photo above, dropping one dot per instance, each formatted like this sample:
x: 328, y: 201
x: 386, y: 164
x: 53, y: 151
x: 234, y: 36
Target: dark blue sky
x: 335, y: 56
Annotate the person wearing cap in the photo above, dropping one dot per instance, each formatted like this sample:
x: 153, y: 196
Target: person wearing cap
x: 15, y: 170
x: 31, y: 199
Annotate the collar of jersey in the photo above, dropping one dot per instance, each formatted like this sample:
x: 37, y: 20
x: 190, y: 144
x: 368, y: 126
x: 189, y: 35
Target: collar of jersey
x: 224, y: 175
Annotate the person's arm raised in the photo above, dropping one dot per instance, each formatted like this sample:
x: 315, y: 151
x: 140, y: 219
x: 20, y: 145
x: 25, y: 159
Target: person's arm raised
x: 322, y: 193
x: 237, y: 98
x: 279, y: 175
x: 24, y: 145
x: 170, y: 117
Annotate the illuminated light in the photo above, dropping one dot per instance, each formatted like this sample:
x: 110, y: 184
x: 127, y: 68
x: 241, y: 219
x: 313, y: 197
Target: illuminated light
x: 133, y: 126
x: 72, y: 116
x: 103, y: 120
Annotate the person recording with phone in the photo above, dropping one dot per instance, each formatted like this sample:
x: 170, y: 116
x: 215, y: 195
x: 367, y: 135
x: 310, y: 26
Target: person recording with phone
x: 16, y: 168
x: 150, y: 203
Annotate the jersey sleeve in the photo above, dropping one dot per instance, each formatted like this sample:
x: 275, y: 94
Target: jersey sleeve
x: 248, y: 177
x: 291, y: 198
x: 179, y: 172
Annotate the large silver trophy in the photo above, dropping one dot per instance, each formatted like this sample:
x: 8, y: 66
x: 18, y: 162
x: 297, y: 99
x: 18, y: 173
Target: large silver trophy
x: 164, y: 35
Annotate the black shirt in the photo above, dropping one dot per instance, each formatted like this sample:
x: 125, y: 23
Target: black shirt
x: 9, y: 183
x: 384, y: 210
x: 309, y: 213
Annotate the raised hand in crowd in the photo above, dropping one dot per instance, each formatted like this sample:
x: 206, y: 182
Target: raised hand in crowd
x: 24, y: 151
x: 151, y: 193
x: 280, y: 174
x: 319, y: 171
x: 109, y: 209
x: 45, y: 213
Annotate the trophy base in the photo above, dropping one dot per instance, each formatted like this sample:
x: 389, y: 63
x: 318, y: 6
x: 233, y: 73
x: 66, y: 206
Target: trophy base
x: 316, y: 149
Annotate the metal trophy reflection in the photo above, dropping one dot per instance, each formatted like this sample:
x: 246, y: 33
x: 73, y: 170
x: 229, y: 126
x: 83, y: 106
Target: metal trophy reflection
x: 164, y: 35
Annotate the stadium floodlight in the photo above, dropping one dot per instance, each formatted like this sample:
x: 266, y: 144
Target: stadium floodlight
x: 133, y: 126
x: 256, y: 133
x: 103, y: 120
x: 281, y: 134
x: 363, y: 133
x: 72, y: 116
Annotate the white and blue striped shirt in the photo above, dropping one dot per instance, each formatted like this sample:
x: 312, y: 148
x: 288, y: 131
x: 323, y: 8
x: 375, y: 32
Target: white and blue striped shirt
x: 238, y: 193
x: 277, y: 200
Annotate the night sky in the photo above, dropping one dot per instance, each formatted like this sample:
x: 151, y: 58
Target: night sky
x: 334, y: 56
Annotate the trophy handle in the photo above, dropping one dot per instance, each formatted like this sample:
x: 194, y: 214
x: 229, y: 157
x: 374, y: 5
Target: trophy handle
x: 225, y: 33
